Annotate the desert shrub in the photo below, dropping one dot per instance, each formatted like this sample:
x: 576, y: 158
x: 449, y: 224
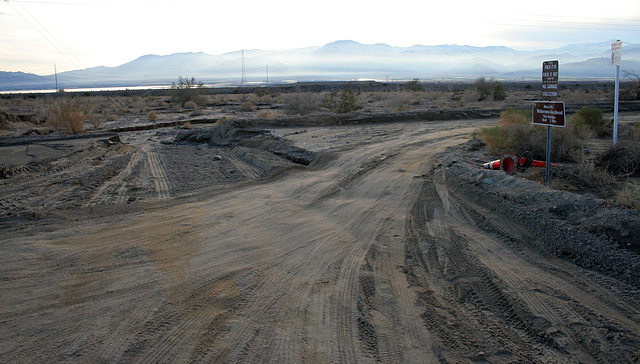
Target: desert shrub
x: 70, y: 115
x: 623, y: 159
x: 629, y: 195
x: 248, y: 106
x: 492, y: 90
x: 302, y: 102
x: 413, y: 85
x: 342, y: 104
x: 190, y: 105
x: 591, y: 118
x: 187, y: 90
x: 514, y: 133
x: 221, y: 121
x: 267, y: 114
x: 634, y: 133
x: 152, y: 116
x: 583, y: 176
x: 398, y: 100
x: 632, y: 91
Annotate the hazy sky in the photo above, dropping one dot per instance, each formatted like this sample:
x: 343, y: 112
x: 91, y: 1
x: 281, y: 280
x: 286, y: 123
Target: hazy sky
x: 75, y: 34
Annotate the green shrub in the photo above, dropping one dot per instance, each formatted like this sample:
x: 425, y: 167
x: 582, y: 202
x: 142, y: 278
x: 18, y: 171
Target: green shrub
x: 591, y: 119
x: 492, y: 90
x: 187, y: 90
x: 514, y: 133
x: 343, y: 104
x: 413, y: 85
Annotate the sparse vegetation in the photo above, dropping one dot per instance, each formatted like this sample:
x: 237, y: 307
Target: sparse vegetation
x: 591, y: 119
x: 413, y: 85
x: 267, y: 114
x: 186, y: 90
x: 491, y: 90
x: 632, y: 91
x: 342, y: 104
x: 70, y: 115
x: 247, y: 106
x: 152, y: 116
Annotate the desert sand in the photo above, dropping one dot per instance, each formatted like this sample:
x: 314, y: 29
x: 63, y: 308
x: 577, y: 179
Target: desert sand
x: 382, y: 242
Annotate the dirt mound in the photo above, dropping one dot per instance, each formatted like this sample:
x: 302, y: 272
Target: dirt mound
x: 223, y: 135
x: 589, y: 232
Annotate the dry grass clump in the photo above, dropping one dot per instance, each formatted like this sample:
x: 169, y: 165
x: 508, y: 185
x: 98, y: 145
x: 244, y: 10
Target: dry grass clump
x: 623, y: 159
x: 247, y: 106
x: 152, y: 116
x: 629, y: 195
x: 268, y: 114
x: 70, y: 115
x: 302, y: 103
x: 190, y: 105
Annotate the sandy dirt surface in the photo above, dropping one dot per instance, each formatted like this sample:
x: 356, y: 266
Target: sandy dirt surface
x: 134, y: 249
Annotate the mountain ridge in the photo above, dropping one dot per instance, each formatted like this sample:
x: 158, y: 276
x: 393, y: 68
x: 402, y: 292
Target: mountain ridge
x: 340, y: 60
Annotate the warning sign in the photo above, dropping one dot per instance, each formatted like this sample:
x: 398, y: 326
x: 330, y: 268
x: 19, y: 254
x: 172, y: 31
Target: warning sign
x: 549, y: 113
x: 550, y: 80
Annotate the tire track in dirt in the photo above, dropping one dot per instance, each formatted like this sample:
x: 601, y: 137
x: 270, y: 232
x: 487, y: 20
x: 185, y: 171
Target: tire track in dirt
x: 115, y: 190
x: 362, y: 257
x: 159, y: 175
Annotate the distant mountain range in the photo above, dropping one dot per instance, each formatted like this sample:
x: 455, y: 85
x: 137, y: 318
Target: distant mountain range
x: 341, y: 60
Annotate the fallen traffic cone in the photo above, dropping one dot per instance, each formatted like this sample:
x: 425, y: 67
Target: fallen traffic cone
x: 508, y: 162
x: 492, y: 165
x: 541, y: 164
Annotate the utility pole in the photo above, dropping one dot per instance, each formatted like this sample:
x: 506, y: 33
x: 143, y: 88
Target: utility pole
x: 55, y: 71
x: 267, y: 75
x: 244, y: 75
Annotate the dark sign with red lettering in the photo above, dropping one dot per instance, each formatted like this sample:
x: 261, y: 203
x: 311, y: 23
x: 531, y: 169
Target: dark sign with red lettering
x: 549, y: 113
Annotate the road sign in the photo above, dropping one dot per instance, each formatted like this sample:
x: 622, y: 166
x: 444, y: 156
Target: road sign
x: 616, y: 53
x: 550, y: 80
x: 549, y: 113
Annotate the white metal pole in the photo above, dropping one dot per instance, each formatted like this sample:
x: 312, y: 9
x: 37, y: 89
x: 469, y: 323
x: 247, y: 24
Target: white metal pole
x: 615, y: 106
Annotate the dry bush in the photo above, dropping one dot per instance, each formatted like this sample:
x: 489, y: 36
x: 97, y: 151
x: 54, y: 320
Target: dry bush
x: 152, y: 116
x: 247, y: 106
x: 221, y: 121
x: 191, y: 105
x: 629, y: 195
x: 267, y: 114
x: 302, y: 102
x: 70, y: 115
x: 623, y: 159
x: 399, y: 100
x: 514, y: 133
x: 585, y: 176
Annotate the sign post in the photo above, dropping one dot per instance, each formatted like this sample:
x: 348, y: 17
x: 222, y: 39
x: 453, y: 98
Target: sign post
x: 616, y: 59
x: 550, y: 80
x: 550, y: 113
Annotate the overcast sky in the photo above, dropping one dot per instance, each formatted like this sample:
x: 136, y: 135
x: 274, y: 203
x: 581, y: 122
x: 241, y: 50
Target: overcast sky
x: 76, y: 34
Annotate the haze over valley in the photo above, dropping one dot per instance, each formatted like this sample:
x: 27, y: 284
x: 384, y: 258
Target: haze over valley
x: 342, y: 60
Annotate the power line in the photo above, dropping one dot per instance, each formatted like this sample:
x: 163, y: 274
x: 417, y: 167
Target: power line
x: 64, y: 51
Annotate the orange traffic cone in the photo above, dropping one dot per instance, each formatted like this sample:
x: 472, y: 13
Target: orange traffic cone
x: 542, y: 164
x: 492, y: 165
x: 508, y: 162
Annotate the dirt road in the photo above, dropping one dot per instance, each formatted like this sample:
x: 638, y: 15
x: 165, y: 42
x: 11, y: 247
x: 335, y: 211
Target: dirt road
x: 362, y: 257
